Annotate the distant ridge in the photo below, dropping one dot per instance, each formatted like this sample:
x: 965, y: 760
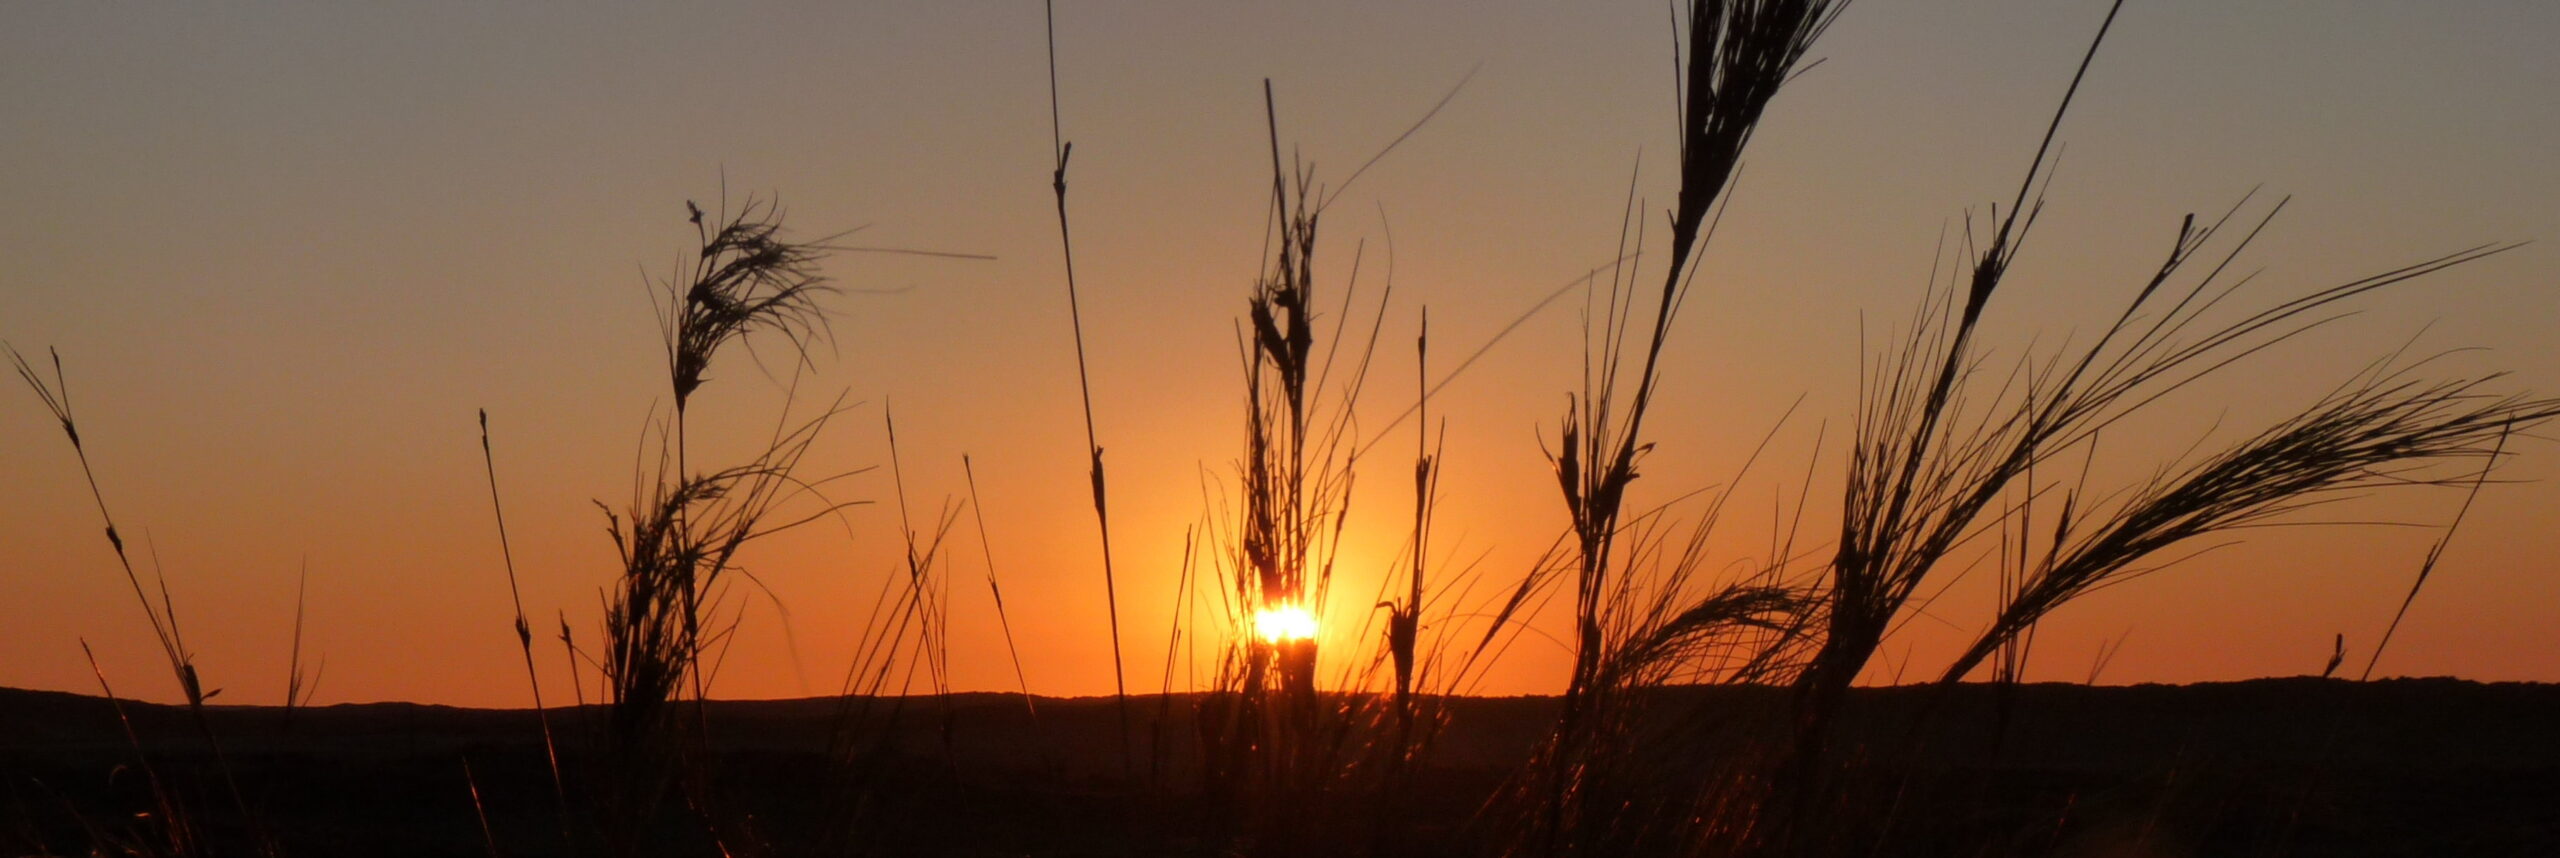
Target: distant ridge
x: 2413, y: 723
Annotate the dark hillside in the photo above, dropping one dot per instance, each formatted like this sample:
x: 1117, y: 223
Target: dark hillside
x: 2276, y: 767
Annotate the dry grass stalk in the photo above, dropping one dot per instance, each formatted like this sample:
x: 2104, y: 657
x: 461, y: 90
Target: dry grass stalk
x: 1274, y: 748
x: 161, y: 614
x: 678, y: 543
x: 745, y: 279
x: 930, y: 592
x: 479, y: 810
x: 1738, y: 54
x: 904, y: 631
x: 1404, y: 619
x: 684, y: 529
x: 2373, y: 434
x: 1936, y: 450
x: 977, y: 513
x: 524, y: 631
x: 2426, y: 569
x: 1899, y: 517
x: 56, y: 397
x: 1299, y: 459
x: 173, y: 829
x: 299, y: 686
x: 1084, y: 387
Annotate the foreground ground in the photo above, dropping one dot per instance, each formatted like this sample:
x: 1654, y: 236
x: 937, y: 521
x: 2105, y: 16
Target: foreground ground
x: 2274, y: 767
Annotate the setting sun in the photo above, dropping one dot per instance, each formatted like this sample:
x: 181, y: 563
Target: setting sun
x: 1284, y: 623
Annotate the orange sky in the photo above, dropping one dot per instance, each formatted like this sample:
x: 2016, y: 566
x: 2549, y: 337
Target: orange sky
x: 288, y: 251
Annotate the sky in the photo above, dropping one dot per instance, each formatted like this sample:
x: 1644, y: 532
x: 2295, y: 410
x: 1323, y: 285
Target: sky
x: 287, y: 250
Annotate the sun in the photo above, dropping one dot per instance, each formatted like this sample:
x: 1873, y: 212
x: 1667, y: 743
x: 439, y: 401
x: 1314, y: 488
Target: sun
x: 1284, y: 623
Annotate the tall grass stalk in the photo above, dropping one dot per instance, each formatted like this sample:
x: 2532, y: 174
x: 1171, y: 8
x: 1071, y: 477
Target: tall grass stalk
x: 164, y: 624
x: 679, y: 539
x: 1937, y: 448
x: 175, y: 827
x: 1174, y: 649
x: 1875, y: 570
x: 524, y: 631
x: 161, y: 615
x: 1738, y: 53
x: 1275, y: 752
x: 2435, y: 554
x: 479, y: 809
x: 905, y: 629
x: 2374, y: 433
x: 1084, y: 386
x: 930, y: 592
x: 298, y: 686
x: 977, y: 514
x: 745, y: 279
x: 678, y: 544
x: 1404, y: 619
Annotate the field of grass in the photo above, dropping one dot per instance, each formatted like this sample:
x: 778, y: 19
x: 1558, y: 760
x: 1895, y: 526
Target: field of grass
x: 1712, y: 705
x: 2268, y: 767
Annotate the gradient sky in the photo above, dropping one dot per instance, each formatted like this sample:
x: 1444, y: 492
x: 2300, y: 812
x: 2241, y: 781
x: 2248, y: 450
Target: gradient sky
x: 288, y: 248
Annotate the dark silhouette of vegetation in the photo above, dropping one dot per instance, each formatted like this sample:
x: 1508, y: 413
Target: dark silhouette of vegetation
x: 1710, y: 707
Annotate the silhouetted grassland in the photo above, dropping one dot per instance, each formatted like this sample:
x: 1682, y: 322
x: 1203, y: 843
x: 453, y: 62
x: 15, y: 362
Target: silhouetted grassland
x: 2390, y: 767
x: 1710, y: 708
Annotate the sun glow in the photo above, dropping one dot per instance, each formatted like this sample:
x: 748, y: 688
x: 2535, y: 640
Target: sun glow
x: 1284, y: 623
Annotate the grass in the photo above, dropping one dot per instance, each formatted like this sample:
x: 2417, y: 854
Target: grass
x: 1084, y: 385
x: 163, y: 618
x: 1736, y: 57
x: 524, y: 629
x: 1949, y: 461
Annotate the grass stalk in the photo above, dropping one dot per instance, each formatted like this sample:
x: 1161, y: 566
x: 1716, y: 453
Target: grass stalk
x: 177, y: 836
x: 163, y: 618
x: 1738, y: 55
x: 2435, y: 554
x: 933, y: 605
x: 977, y: 513
x: 1084, y: 386
x: 298, y: 687
x: 479, y: 809
x: 1404, y: 620
x: 524, y: 634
